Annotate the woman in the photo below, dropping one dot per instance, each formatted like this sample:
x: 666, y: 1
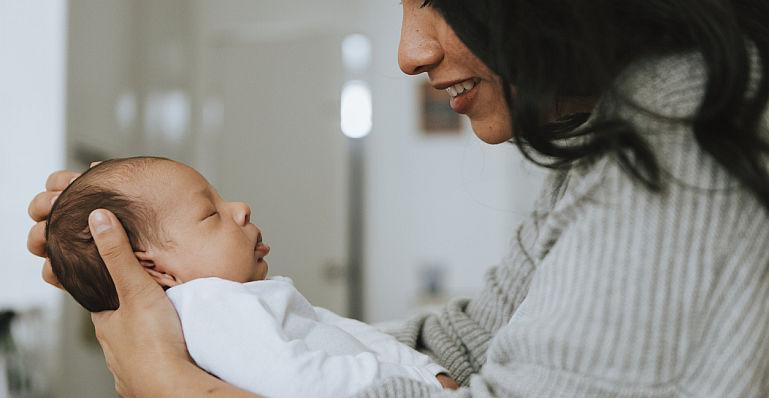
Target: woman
x: 643, y: 271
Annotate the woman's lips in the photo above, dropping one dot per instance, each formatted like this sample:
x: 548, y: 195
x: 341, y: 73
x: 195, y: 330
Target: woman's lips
x: 463, y: 103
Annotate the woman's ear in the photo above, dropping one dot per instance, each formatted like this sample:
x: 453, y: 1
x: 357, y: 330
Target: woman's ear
x: 163, y: 279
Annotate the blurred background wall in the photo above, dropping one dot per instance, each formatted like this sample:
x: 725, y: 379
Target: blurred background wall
x: 32, y: 134
x: 249, y: 93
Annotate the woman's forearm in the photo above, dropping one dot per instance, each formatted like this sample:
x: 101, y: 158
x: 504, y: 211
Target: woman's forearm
x: 187, y: 380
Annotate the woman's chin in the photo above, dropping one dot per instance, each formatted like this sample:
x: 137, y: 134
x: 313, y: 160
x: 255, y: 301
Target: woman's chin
x: 492, y: 132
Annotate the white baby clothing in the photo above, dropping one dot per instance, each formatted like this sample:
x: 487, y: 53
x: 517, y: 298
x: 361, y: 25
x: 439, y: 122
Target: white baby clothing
x: 265, y: 337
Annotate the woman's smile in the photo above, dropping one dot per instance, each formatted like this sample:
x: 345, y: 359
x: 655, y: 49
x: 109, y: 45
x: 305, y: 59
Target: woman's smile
x: 428, y: 45
x: 462, y: 95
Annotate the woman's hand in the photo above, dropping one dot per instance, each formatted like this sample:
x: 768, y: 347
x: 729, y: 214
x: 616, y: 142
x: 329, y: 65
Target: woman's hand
x: 142, y: 340
x: 143, y: 337
x: 39, y: 208
x: 447, y: 382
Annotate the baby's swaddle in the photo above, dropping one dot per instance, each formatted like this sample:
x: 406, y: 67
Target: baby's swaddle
x: 265, y: 337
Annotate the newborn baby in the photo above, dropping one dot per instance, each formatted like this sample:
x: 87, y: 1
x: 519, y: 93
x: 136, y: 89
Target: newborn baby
x: 258, y: 334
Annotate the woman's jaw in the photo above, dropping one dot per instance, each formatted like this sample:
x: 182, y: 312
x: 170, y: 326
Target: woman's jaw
x: 481, y: 99
x: 485, y: 106
x: 492, y: 131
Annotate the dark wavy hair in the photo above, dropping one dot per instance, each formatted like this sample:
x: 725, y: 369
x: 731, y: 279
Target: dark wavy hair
x: 555, y: 49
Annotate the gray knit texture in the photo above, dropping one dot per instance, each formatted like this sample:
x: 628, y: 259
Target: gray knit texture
x: 611, y: 290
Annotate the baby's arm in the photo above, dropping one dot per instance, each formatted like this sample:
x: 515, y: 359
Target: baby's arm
x: 385, y: 346
x: 231, y: 333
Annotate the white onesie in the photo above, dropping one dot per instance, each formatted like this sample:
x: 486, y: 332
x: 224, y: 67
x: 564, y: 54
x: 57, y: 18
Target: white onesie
x: 265, y: 337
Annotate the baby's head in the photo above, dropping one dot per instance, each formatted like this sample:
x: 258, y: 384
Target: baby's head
x: 179, y: 227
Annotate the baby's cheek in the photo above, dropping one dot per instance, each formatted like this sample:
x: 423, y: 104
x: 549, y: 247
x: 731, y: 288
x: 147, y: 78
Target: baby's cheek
x: 240, y: 268
x: 205, y: 264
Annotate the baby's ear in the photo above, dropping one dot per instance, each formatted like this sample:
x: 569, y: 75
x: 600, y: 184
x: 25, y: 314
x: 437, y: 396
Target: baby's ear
x: 162, y: 278
x: 145, y: 259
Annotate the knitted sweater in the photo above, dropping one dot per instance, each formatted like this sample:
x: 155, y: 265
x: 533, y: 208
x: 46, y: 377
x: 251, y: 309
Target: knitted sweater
x: 611, y: 290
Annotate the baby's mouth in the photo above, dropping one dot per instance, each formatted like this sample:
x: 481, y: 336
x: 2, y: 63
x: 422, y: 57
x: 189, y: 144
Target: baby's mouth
x: 261, y: 249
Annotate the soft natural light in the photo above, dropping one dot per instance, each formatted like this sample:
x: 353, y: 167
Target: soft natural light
x: 167, y: 114
x: 356, y: 109
x: 356, y: 53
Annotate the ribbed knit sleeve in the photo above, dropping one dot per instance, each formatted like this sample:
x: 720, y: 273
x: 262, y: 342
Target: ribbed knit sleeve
x: 618, y: 291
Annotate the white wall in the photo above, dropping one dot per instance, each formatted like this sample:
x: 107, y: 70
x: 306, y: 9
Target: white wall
x: 32, y: 59
x: 448, y: 200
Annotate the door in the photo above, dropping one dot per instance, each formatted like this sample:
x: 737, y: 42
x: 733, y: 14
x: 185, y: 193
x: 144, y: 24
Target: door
x: 278, y: 148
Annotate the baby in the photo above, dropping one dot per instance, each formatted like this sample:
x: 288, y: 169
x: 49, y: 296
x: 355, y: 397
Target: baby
x: 258, y: 334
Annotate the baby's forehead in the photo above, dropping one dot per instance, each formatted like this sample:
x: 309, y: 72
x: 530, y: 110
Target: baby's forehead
x: 144, y: 180
x: 125, y: 173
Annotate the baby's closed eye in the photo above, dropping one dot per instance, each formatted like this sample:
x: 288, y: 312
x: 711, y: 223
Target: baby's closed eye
x: 210, y: 214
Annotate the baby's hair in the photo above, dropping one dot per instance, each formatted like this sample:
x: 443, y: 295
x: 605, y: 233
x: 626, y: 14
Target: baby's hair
x: 70, y: 247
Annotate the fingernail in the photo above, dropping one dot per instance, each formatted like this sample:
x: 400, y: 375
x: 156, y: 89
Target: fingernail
x: 99, y: 221
x: 53, y: 200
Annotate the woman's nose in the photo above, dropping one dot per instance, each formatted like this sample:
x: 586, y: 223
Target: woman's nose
x: 419, y: 50
x: 242, y: 213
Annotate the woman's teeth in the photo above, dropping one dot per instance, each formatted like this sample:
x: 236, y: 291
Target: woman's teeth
x: 461, y: 88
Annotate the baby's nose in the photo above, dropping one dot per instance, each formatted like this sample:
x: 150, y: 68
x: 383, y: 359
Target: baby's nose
x: 243, y: 213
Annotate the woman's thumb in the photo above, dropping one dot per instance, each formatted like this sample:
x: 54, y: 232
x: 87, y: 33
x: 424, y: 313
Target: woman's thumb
x: 118, y: 256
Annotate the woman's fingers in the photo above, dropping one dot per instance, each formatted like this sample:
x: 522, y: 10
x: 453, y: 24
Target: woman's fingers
x: 60, y: 180
x: 39, y: 209
x: 40, y: 206
x: 49, y: 276
x: 447, y: 382
x: 36, y: 239
x: 115, y: 249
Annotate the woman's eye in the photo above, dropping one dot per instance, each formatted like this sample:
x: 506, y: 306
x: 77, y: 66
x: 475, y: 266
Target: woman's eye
x: 211, y: 215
